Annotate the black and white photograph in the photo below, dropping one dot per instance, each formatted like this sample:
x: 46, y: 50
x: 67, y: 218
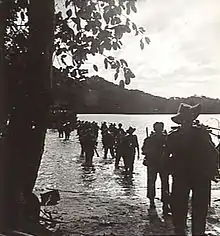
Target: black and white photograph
x: 109, y: 117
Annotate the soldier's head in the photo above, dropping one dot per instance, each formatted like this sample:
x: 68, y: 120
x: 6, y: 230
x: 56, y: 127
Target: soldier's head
x: 186, y: 114
x: 130, y: 130
x: 119, y: 125
x: 158, y: 127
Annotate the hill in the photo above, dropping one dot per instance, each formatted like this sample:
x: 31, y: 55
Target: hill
x: 96, y: 95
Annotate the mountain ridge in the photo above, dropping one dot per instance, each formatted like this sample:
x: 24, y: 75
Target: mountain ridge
x: 99, y: 96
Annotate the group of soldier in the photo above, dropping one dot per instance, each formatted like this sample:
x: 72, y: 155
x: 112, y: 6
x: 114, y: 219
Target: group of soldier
x: 189, y: 156
x: 64, y: 129
x: 117, y: 141
x: 88, y: 135
x: 186, y: 155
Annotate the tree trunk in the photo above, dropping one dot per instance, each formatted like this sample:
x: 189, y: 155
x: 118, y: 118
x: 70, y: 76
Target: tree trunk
x: 27, y: 127
x: 4, y: 14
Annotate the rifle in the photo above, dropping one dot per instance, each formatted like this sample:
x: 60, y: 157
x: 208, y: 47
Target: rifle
x: 147, y: 132
x: 96, y: 152
x: 145, y: 161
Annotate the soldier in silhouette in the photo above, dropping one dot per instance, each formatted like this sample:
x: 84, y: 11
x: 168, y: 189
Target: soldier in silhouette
x: 67, y: 130
x: 118, y: 144
x: 89, y: 140
x: 194, y: 164
x: 60, y: 128
x: 80, y: 132
x: 129, y: 146
x: 104, y: 126
x: 153, y: 148
x: 108, y: 143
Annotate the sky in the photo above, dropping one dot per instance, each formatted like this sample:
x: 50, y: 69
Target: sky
x: 183, y: 58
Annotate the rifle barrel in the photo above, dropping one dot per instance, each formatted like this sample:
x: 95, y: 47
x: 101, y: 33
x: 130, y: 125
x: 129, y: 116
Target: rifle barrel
x: 213, y: 128
x: 97, y: 154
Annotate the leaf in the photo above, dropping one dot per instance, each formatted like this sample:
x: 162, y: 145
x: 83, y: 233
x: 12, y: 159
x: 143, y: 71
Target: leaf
x: 127, y: 22
x: 69, y: 13
x: 147, y: 40
x: 98, y: 23
x: 130, y: 73
x: 113, y: 65
x: 106, y: 63
x: 127, y: 29
x: 95, y: 67
x: 142, y: 30
x: 115, y: 46
x: 62, y: 59
x: 128, y: 11
x: 67, y: 3
x: 127, y: 80
x: 133, y: 7
x: 22, y: 16
x: 116, y: 20
x: 141, y: 44
x: 123, y: 62
x: 75, y: 20
x: 134, y: 27
x: 59, y: 51
x: 73, y: 73
x: 118, y: 65
x: 118, y: 32
x: 87, y: 27
x: 97, y: 15
x: 116, y: 75
x: 94, y: 31
x: 107, y: 44
x: 111, y: 58
x: 106, y: 17
x: 118, y: 10
x: 118, y: 45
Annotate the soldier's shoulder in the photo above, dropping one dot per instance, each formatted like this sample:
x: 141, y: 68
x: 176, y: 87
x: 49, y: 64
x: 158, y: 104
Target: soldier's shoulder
x: 174, y: 131
x: 201, y: 129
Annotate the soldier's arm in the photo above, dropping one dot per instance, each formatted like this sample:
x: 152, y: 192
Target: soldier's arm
x: 137, y: 146
x: 166, y: 159
x: 142, y: 148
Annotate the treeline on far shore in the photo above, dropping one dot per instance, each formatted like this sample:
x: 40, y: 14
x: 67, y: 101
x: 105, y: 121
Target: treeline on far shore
x: 98, y: 96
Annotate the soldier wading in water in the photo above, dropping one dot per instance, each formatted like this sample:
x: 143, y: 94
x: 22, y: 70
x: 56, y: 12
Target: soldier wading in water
x: 194, y: 165
x: 118, y: 144
x: 153, y: 149
x: 129, y: 146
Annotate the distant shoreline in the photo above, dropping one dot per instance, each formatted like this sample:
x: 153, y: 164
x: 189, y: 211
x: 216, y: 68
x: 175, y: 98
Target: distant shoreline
x: 210, y: 113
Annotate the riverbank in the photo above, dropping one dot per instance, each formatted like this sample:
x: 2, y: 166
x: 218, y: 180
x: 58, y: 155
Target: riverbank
x: 101, y: 216
x: 88, y: 215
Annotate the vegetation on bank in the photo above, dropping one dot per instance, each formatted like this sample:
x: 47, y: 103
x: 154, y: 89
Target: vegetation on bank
x: 96, y: 95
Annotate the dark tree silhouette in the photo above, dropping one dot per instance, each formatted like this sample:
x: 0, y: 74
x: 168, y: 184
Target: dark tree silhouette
x: 31, y: 33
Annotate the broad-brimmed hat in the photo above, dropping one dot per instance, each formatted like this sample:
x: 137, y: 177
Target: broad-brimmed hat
x: 130, y: 130
x: 186, y: 113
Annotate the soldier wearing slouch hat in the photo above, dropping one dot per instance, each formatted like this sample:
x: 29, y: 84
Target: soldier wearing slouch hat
x: 194, y: 161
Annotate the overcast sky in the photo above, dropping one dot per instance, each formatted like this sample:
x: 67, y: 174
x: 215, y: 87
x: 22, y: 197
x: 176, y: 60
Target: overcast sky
x: 183, y: 58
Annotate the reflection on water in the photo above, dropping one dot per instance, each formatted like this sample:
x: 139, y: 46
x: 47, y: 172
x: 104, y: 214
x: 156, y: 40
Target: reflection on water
x: 126, y: 183
x: 61, y: 168
x: 61, y: 164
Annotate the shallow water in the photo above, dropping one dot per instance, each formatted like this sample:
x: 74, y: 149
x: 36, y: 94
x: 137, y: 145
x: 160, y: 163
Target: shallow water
x: 61, y: 165
x: 61, y: 168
